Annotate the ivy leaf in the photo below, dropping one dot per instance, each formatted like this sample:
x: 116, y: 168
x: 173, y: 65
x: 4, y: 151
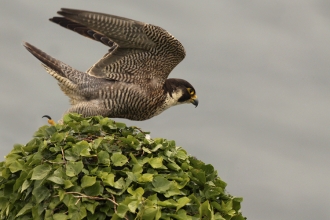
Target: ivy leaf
x: 91, y: 207
x: 57, y: 137
x: 199, y: 175
x: 87, y: 181
x: 67, y: 184
x: 147, y: 177
x: 73, y: 168
x: 16, y: 166
x: 81, y: 148
x: 182, y: 202
x: 27, y: 207
x: 118, y: 159
x: 103, y: 158
x: 40, y: 172
x: 94, y: 190
x: 160, y: 184
x: 121, y: 210
x: 206, y: 210
x: 40, y: 193
x: 109, y: 179
x: 56, y: 179
x: 151, y: 212
x: 156, y: 162
x: 120, y: 125
x: 60, y: 216
x: 119, y: 184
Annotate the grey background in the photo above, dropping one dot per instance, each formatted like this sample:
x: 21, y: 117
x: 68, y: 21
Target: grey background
x: 261, y: 71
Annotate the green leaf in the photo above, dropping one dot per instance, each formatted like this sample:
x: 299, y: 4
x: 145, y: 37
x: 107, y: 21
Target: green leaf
x: 97, y: 142
x: 94, y: 190
x: 25, y: 185
x: 212, y: 192
x: 19, y: 181
x: 182, y: 215
x: 238, y: 217
x: 137, y: 169
x: 103, y: 158
x: 132, y: 206
x: 237, y: 203
x: 156, y: 162
x: 87, y: 181
x: 27, y: 208
x: 138, y: 193
x: 170, y: 203
x: 206, y: 210
x: 146, y: 150
x: 73, y: 168
x: 91, y: 207
x: 199, y: 175
x: 40, y: 193
x: 182, y: 202
x: 17, y: 166
x: 71, y: 155
x: 118, y: 159
x: 67, y: 184
x: 60, y: 216
x: 182, y: 154
x: 121, y: 210
x: 120, y: 125
x: 160, y: 184
x: 81, y: 148
x: 173, y: 190
x: 57, y: 137
x: 147, y: 177
x: 227, y: 206
x: 150, y: 213
x: 56, y: 180
x: 108, y: 179
x: 40, y: 172
x: 158, y: 146
x: 173, y: 166
x: 119, y: 184
x: 11, y: 158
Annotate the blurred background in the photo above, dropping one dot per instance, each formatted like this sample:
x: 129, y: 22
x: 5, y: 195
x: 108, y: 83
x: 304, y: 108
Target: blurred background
x: 261, y: 72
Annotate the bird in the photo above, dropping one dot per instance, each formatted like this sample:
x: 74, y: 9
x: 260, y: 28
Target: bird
x: 131, y: 80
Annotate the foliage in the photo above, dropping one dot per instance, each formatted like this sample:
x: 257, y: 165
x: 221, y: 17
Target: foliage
x: 95, y: 168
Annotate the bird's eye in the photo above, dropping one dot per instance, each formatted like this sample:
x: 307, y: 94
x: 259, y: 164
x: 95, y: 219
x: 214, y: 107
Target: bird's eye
x: 191, y: 91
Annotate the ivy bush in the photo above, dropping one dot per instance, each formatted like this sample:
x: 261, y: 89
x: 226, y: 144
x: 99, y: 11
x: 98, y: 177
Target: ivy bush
x: 96, y: 168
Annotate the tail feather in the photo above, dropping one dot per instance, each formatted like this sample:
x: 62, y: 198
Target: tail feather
x: 66, y: 76
x: 45, y: 58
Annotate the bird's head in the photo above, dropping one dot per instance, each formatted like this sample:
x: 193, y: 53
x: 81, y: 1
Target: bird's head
x: 181, y: 91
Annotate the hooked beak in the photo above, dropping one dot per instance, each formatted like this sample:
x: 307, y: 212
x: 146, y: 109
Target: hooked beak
x: 194, y: 101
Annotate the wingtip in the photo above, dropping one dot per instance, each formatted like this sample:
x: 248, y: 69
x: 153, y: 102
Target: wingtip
x: 69, y: 12
x: 28, y: 46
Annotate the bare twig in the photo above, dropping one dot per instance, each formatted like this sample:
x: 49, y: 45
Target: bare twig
x: 81, y: 195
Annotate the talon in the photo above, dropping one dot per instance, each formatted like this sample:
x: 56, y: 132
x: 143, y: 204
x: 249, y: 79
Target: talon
x: 50, y: 120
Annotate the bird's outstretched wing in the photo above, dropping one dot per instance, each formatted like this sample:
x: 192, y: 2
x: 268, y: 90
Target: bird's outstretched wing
x: 139, y: 52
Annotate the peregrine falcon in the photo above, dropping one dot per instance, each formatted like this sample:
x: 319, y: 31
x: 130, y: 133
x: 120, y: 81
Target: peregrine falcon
x: 130, y: 80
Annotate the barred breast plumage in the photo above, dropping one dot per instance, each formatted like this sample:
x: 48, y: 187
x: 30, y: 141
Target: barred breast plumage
x: 130, y: 81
